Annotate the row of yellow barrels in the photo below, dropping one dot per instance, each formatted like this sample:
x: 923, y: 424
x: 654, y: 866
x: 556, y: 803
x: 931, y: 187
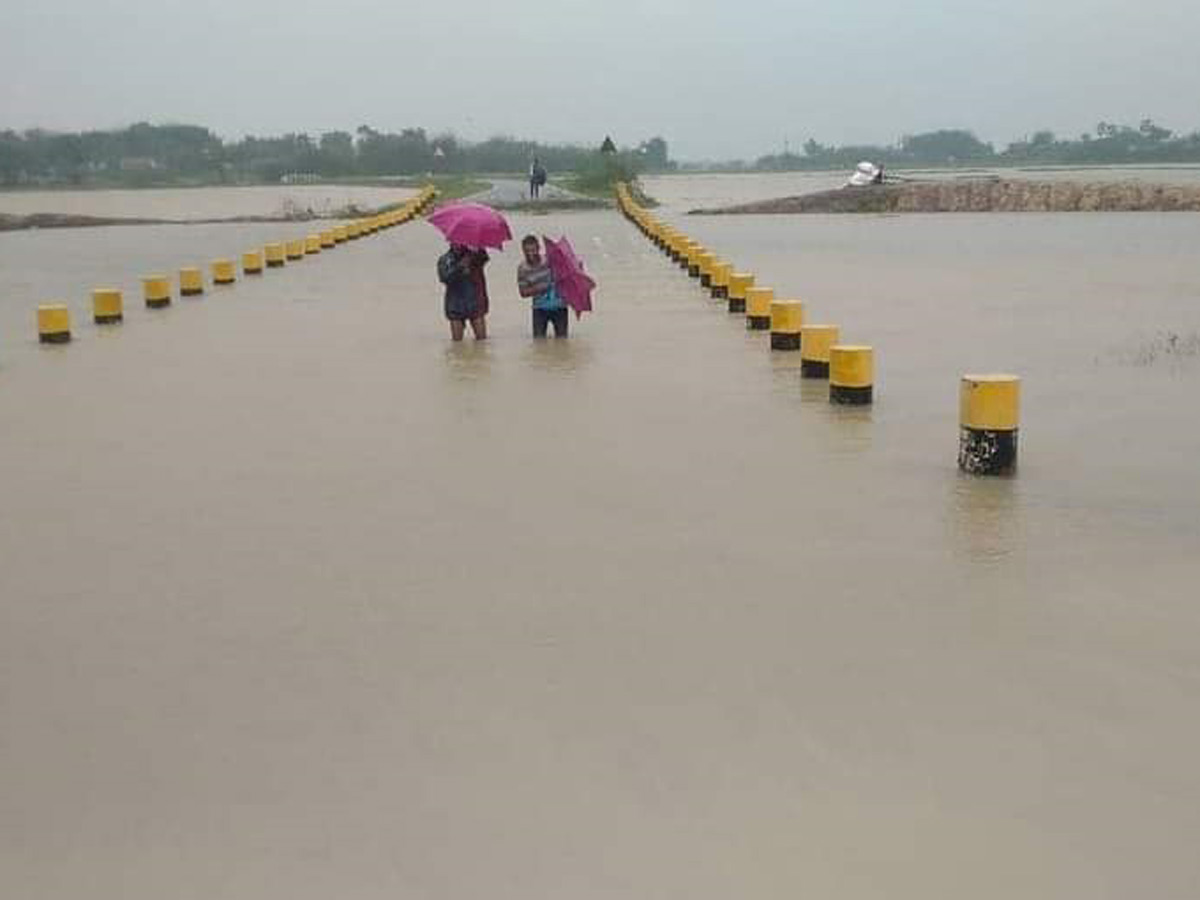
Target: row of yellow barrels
x: 108, y: 307
x: 988, y: 404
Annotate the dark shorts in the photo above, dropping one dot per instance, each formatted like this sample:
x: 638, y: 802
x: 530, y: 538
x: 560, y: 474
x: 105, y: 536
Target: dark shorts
x: 545, y: 317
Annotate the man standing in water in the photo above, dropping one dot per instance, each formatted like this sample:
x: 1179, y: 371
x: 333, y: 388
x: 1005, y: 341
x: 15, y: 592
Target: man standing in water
x: 536, y: 280
x: 460, y: 269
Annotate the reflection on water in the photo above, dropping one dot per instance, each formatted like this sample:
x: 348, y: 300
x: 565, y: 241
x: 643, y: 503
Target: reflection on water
x: 985, y: 518
x: 468, y: 360
x: 568, y: 356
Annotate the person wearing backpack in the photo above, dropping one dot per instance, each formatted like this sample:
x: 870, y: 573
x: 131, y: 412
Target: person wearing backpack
x: 460, y: 269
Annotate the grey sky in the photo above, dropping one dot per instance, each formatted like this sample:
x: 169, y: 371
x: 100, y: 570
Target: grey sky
x: 716, y: 79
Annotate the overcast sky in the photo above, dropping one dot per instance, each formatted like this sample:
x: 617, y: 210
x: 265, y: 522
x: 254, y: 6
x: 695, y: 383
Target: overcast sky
x: 716, y: 79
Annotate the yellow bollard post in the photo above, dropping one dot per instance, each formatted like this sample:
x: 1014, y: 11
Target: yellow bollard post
x: 156, y: 289
x: 693, y: 259
x: 252, y: 263
x: 295, y: 249
x: 787, y: 323
x: 851, y: 374
x: 54, y: 323
x: 108, y: 306
x: 312, y: 244
x: 276, y: 255
x: 739, y: 283
x: 989, y: 413
x: 353, y: 231
x: 191, y: 282
x: 815, y: 341
x: 339, y: 234
x: 690, y: 249
x: 678, y: 246
x: 705, y: 265
x: 327, y: 240
x: 758, y: 308
x: 719, y: 281
x: 223, y: 271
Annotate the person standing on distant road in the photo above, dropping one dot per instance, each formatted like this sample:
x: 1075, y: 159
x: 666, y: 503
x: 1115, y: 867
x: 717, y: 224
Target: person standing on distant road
x: 537, y: 178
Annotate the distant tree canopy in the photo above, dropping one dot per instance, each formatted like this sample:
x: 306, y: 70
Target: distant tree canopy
x: 148, y: 154
x: 1145, y: 143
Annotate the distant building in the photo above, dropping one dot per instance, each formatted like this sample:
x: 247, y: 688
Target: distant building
x: 608, y: 146
x: 300, y: 178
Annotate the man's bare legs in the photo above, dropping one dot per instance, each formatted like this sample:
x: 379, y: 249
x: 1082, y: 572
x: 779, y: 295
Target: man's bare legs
x: 457, y: 327
x: 478, y: 328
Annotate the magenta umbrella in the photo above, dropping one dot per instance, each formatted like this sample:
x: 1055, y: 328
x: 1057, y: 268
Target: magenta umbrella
x: 471, y: 225
x: 572, y: 283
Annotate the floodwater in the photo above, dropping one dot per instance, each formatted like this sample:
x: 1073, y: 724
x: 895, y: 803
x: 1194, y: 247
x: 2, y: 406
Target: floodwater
x: 187, y: 204
x: 299, y: 600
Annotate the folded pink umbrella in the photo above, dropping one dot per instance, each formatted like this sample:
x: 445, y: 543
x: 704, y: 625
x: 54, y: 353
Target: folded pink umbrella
x: 573, y: 284
x: 471, y: 225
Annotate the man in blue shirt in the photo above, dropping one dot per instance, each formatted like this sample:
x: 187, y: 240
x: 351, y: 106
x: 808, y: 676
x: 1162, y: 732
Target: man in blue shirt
x: 536, y: 280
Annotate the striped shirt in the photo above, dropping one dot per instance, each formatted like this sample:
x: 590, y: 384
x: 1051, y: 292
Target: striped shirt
x: 539, y: 280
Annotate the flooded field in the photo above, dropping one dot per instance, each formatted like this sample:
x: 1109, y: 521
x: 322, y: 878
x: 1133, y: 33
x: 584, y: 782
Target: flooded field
x: 201, y: 203
x: 687, y: 192
x: 298, y: 599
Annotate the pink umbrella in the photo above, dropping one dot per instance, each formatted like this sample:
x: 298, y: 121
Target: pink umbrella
x: 471, y: 225
x: 572, y: 283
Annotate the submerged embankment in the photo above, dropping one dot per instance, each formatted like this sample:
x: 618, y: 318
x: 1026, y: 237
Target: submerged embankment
x: 981, y: 195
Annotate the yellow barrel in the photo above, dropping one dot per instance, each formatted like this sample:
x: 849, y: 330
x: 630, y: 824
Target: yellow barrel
x: 340, y: 234
x: 252, y: 263
x: 295, y: 249
x: 695, y: 251
x: 276, y: 255
x: 739, y: 284
x: 851, y: 374
x: 312, y: 244
x: 787, y: 322
x: 989, y: 413
x: 156, y: 290
x: 719, y: 280
x: 223, y: 271
x: 108, y: 306
x: 705, y: 265
x: 54, y: 323
x: 815, y: 341
x: 353, y: 231
x: 758, y: 308
x: 327, y: 240
x: 191, y: 282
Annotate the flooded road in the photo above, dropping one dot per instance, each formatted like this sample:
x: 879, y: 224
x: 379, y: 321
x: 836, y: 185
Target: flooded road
x: 297, y: 599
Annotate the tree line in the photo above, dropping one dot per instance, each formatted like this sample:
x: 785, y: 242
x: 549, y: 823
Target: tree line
x: 1147, y: 143
x: 144, y: 154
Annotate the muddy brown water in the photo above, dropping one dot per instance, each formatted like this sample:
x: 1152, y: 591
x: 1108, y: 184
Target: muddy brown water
x: 183, y: 204
x: 299, y: 600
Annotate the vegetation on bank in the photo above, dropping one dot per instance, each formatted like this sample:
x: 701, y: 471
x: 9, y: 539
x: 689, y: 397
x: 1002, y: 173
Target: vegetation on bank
x: 599, y: 176
x: 1147, y: 144
x: 146, y: 155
